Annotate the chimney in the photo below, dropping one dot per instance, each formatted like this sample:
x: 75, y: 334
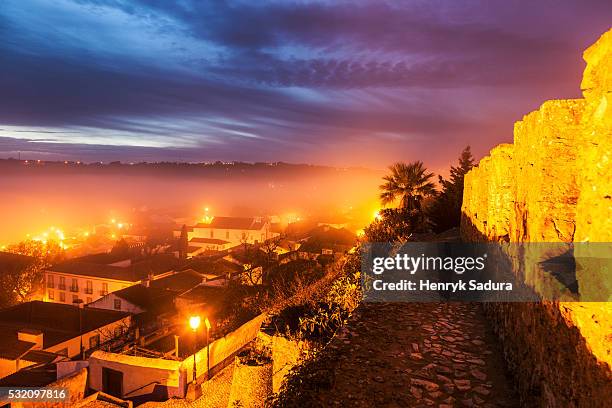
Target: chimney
x: 79, y: 303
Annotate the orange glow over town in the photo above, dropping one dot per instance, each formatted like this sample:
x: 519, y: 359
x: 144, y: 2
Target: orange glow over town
x: 288, y: 204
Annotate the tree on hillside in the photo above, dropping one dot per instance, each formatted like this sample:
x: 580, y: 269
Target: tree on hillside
x: 445, y: 212
x: 394, y: 225
x: 410, y: 183
x: 268, y: 247
x: 23, y: 282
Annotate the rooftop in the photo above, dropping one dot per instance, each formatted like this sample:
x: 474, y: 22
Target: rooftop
x: 218, y: 266
x: 137, y: 271
x: 57, y: 322
x: 209, y: 241
x: 205, y: 295
x: 35, y: 376
x: 239, y: 223
x: 178, y: 282
x: 147, y: 298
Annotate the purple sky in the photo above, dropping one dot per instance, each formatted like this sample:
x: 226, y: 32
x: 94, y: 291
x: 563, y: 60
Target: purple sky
x: 339, y: 83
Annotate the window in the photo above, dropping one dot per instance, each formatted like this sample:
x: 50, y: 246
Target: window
x: 75, y: 298
x: 62, y: 283
x: 51, y: 295
x: 94, y: 341
x: 74, y: 287
x: 117, y: 304
x: 104, y: 290
x: 62, y: 296
x: 89, y: 287
x: 50, y: 283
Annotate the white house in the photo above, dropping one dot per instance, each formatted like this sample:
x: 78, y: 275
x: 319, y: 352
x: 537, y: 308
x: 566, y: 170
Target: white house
x: 35, y: 332
x: 233, y: 230
x: 199, y: 245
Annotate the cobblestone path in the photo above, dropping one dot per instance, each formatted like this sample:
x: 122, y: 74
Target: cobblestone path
x: 418, y: 354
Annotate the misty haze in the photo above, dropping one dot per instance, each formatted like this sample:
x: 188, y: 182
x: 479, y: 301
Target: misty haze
x: 73, y: 196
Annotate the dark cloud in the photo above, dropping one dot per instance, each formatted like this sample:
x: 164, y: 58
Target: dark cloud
x: 272, y: 80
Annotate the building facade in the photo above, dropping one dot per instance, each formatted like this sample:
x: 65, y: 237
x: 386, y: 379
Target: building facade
x: 232, y: 231
x: 87, y: 279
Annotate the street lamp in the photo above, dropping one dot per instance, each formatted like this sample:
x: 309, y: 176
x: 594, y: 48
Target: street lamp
x: 194, y: 323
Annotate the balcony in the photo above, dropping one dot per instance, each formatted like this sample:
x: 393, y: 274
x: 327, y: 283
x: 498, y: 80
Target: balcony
x: 88, y: 291
x: 74, y: 288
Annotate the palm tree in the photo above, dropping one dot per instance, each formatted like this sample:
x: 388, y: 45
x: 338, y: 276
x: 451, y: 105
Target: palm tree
x: 408, y: 182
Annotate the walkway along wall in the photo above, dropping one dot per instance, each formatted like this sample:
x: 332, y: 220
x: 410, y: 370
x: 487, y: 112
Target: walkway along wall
x: 554, y: 184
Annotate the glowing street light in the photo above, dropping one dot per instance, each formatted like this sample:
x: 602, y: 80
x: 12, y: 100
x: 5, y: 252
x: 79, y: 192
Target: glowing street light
x: 194, y: 322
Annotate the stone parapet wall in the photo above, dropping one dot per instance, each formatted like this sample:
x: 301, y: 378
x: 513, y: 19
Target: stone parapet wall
x: 554, y: 184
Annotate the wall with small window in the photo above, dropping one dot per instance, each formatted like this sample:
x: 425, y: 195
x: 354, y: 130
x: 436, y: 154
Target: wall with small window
x: 114, y: 302
x: 92, y: 339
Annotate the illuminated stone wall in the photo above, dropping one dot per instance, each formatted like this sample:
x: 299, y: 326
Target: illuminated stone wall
x: 554, y: 184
